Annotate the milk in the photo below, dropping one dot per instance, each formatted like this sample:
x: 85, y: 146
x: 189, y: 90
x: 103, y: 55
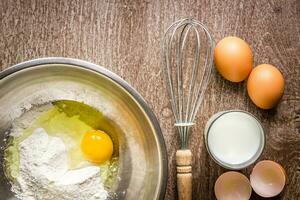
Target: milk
x: 235, y: 139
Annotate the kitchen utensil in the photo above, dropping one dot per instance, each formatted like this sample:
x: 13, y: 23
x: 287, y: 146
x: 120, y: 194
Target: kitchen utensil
x: 142, y: 152
x: 187, y: 54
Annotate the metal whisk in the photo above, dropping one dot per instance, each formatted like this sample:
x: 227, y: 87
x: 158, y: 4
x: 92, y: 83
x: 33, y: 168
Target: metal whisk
x: 187, y: 49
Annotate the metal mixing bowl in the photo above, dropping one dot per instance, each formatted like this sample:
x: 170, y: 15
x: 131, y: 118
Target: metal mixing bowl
x: 143, y: 160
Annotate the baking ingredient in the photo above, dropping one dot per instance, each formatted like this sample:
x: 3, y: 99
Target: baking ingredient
x: 44, y: 173
x: 233, y: 59
x: 235, y: 138
x: 97, y: 146
x: 232, y: 186
x: 265, y: 86
x: 268, y: 178
x: 57, y: 124
x: 63, y: 120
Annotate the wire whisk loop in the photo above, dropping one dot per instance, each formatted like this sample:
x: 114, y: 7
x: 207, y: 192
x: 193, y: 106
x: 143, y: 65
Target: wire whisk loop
x: 187, y: 55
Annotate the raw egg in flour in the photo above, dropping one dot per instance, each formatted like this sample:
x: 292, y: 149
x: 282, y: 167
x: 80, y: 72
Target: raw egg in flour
x: 97, y: 146
x: 265, y: 86
x: 233, y: 59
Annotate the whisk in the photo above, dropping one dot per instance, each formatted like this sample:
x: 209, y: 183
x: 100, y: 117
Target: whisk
x: 187, y: 54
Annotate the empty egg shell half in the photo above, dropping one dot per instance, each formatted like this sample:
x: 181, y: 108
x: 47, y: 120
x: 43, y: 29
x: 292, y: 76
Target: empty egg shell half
x: 232, y: 186
x: 268, y: 178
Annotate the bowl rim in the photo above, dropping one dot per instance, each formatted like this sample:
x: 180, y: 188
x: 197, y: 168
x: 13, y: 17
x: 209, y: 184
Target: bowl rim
x: 117, y: 79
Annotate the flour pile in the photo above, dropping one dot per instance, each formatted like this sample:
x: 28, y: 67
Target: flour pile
x: 44, y: 174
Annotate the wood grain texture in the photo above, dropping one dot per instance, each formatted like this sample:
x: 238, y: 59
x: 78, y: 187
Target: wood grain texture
x: 125, y: 36
x: 184, y: 174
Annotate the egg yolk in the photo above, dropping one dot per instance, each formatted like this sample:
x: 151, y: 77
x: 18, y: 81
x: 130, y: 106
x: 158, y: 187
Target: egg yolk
x: 97, y: 146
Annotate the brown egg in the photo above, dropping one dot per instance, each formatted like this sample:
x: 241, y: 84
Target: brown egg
x: 233, y: 59
x: 265, y: 86
x: 233, y: 186
x: 268, y: 178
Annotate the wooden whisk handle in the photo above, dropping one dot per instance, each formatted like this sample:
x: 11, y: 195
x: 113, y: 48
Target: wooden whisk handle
x: 184, y: 174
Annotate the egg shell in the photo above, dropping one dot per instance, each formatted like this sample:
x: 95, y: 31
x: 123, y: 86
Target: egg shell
x: 265, y: 86
x: 233, y: 186
x: 233, y: 59
x: 268, y: 178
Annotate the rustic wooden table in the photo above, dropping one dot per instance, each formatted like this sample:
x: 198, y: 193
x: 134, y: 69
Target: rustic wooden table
x: 125, y: 36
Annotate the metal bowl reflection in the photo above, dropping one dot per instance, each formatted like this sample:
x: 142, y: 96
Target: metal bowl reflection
x: 142, y: 152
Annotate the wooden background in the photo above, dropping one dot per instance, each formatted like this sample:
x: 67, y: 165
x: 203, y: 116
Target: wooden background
x: 125, y: 36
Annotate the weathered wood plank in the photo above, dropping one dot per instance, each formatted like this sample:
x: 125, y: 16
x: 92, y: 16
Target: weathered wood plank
x: 124, y: 36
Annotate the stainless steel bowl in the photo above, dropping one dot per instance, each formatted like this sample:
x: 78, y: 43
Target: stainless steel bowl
x: 143, y: 159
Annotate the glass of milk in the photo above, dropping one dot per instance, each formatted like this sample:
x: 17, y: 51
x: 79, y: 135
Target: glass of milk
x: 234, y: 139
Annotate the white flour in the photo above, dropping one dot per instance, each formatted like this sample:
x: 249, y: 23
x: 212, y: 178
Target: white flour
x: 44, y: 173
x: 22, y: 105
